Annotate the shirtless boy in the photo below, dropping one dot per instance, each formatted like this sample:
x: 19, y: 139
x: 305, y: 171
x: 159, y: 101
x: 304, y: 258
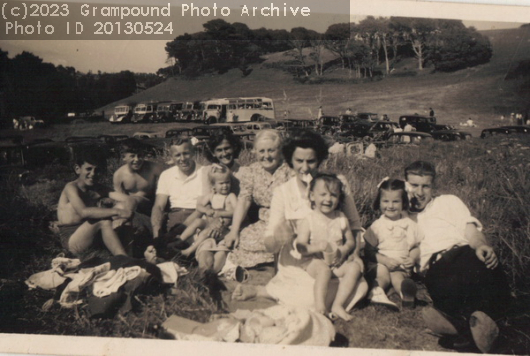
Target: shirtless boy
x: 137, y: 177
x: 81, y: 212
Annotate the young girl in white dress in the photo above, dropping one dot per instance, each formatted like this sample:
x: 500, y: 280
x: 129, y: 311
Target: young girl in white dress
x: 393, y: 239
x: 324, y: 241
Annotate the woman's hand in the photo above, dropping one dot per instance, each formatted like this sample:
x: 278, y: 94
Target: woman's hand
x: 232, y: 239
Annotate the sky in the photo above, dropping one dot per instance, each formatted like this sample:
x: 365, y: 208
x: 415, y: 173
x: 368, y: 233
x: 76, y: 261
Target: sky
x: 149, y: 55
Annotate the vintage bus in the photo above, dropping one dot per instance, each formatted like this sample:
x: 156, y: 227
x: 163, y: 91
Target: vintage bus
x: 237, y: 110
x: 144, y: 112
x: 122, y: 113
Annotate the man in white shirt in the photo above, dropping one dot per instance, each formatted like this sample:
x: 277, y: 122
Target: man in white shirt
x: 180, y: 186
x: 462, y: 272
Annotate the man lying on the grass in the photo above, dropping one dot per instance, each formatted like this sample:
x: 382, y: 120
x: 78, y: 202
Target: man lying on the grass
x: 137, y: 177
x: 83, y: 216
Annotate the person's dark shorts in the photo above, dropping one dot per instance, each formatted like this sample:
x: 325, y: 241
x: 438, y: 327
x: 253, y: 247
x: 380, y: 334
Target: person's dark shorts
x: 66, y: 231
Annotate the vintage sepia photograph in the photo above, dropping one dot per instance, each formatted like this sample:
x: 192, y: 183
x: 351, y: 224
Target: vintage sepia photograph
x: 305, y: 177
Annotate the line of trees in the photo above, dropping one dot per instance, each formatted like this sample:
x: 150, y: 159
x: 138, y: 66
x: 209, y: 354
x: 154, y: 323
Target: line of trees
x: 362, y: 47
x: 29, y: 86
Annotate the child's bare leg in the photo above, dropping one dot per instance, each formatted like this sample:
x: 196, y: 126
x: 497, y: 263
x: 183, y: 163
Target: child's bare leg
x: 382, y: 278
x: 192, y: 228
x: 321, y: 272
x: 83, y: 238
x: 397, y: 278
x: 349, y: 274
x: 110, y: 238
x: 219, y: 259
x: 205, y: 259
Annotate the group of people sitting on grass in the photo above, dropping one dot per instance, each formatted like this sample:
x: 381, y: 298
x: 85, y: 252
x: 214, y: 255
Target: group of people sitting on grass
x: 282, y: 210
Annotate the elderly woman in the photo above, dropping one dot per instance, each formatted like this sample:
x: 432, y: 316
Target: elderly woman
x: 290, y: 204
x: 257, y: 182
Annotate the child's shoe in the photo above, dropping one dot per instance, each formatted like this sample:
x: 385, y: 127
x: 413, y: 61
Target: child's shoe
x: 378, y: 296
x: 408, y: 293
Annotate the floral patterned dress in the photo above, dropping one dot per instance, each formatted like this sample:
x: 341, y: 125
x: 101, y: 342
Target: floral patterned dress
x: 257, y: 185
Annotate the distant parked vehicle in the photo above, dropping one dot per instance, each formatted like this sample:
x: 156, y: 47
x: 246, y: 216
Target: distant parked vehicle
x: 255, y: 127
x: 122, y: 114
x: 302, y: 124
x: 112, y: 139
x: 327, y: 125
x: 165, y: 112
x: 518, y: 128
x: 142, y: 135
x: 372, y: 131
x: 180, y: 132
x: 144, y: 112
x: 203, y: 133
x: 368, y: 116
x: 451, y: 135
x: 401, y: 138
x: 237, y: 110
x: 505, y: 130
x: 420, y: 123
x: 348, y: 118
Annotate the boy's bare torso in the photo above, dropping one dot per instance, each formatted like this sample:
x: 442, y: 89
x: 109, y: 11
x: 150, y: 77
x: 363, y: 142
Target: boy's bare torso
x: 66, y: 213
x: 138, y: 183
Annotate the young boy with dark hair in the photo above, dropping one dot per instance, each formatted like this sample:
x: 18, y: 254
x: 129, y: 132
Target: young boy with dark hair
x: 137, y: 177
x: 81, y: 211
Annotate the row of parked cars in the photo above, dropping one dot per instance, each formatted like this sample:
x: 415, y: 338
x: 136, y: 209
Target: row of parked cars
x: 368, y: 127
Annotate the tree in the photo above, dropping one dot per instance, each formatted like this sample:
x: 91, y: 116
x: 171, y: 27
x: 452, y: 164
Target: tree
x: 299, y: 39
x: 378, y: 34
x: 337, y: 37
x: 418, y: 32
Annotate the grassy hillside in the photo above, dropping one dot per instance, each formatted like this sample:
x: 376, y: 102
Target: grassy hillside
x: 480, y: 93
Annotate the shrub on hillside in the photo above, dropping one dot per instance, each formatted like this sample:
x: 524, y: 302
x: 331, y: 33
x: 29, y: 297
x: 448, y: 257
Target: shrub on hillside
x: 460, y: 48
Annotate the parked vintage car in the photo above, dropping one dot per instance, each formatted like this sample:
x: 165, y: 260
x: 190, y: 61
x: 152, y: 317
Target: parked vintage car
x: 518, y: 128
x: 367, y: 116
x: 348, y: 118
x: 420, y: 123
x: 411, y: 137
x: 302, y: 123
x: 203, y: 133
x: 505, y: 130
x: 141, y: 135
x: 327, y: 125
x: 493, y: 131
x: 180, y: 132
x: 374, y: 131
x: 234, y: 127
x: 451, y: 135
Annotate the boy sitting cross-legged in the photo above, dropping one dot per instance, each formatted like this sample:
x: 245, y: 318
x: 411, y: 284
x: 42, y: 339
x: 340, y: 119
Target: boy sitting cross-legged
x: 81, y: 211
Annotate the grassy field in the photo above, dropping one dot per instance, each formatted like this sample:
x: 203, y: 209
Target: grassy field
x: 491, y: 176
